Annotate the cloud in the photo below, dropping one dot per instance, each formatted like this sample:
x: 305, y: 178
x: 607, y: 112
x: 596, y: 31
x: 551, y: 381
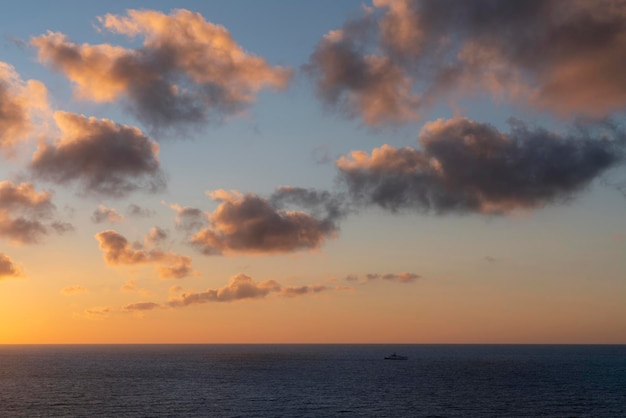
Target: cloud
x: 321, y: 155
x: 175, y: 289
x: 130, y: 286
x: 466, y: 166
x: 20, y: 103
x: 98, y: 312
x: 187, y: 71
x: 103, y: 157
x: 137, y: 211
x: 188, y: 218
x: 322, y: 204
x: 103, y: 214
x: 118, y: 251
x: 141, y: 306
x: 73, y: 290
x: 155, y: 236
x: 176, y: 267
x: 26, y: 216
x: 61, y: 227
x: 8, y: 268
x: 564, y: 57
x: 293, y: 291
x: 403, y: 277
x: 239, y: 287
x: 249, y: 224
x: 361, y: 84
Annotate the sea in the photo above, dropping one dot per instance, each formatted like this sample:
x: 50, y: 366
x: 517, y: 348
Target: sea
x: 312, y: 381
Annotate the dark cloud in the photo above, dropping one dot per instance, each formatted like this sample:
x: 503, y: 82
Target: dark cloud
x: 101, y: 156
x: 250, y: 224
x: 187, y: 71
x: 119, y: 251
x: 103, y: 214
x: 322, y: 204
x: 188, y: 218
x: 8, y: 268
x: 61, y: 227
x: 137, y: 211
x: 360, y: 83
x: 26, y: 216
x: 563, y: 56
x: 141, y: 306
x: 403, y: 277
x: 466, y: 166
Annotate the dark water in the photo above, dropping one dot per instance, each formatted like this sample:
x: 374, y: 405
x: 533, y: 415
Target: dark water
x: 312, y: 381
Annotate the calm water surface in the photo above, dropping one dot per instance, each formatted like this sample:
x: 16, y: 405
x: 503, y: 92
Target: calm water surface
x: 312, y: 381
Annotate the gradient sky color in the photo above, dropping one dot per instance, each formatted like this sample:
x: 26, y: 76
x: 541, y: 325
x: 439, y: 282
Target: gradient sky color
x: 313, y: 172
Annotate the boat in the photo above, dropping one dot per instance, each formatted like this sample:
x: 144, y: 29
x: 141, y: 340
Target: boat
x: 395, y: 356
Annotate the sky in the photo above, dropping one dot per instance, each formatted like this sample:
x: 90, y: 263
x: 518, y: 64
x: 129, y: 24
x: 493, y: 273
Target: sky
x: 313, y: 172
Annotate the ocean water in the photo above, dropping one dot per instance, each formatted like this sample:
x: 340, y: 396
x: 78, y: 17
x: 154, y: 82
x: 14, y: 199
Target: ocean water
x: 312, y: 381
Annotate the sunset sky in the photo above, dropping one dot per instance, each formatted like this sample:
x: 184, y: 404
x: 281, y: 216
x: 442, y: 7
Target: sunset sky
x: 313, y: 172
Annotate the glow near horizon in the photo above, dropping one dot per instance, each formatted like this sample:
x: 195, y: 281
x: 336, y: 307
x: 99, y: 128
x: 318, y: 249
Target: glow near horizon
x: 547, y: 274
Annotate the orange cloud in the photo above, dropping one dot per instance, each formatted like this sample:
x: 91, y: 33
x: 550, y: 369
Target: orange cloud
x: 398, y: 29
x: 26, y: 216
x: 131, y: 286
x: 188, y: 70
x: 8, y: 268
x: 91, y: 67
x: 118, y: 251
x: 98, y: 312
x: 101, y: 156
x: 386, y: 158
x: 73, y: 290
x: 19, y: 104
x: 239, y: 287
x: 250, y: 224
